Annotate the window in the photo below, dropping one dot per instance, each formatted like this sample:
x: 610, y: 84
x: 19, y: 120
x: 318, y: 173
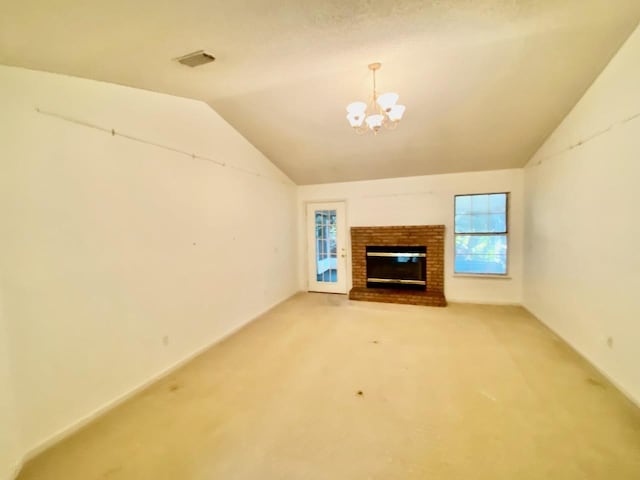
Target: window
x: 481, y: 229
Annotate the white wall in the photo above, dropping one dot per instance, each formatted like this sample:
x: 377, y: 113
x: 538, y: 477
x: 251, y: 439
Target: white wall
x: 427, y: 200
x: 108, y: 245
x: 10, y: 455
x: 582, y: 223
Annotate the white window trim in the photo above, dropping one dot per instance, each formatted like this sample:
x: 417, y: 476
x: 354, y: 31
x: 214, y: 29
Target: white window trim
x: 500, y: 276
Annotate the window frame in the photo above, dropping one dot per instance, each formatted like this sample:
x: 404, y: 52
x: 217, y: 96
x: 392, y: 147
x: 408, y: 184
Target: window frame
x: 507, y: 214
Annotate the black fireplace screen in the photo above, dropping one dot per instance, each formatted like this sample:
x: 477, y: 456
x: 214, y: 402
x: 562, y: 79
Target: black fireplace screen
x: 397, y: 267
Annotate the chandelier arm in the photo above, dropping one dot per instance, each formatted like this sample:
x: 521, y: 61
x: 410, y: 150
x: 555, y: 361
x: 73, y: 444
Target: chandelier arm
x: 389, y: 124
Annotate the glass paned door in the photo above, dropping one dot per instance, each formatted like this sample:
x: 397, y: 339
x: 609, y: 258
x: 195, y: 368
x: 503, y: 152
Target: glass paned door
x: 327, y: 250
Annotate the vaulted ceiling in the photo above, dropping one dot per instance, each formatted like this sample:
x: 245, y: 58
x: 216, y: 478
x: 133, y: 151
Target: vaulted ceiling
x: 484, y: 81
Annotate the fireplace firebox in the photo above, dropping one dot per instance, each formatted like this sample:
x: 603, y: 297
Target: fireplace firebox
x: 400, y: 267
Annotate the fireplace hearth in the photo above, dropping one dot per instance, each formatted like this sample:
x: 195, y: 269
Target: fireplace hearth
x: 402, y: 264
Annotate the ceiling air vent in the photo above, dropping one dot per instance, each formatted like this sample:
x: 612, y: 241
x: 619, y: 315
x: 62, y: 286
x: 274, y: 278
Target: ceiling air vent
x: 196, y: 59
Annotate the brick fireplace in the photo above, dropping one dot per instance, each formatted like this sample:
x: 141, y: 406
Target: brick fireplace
x: 429, y: 236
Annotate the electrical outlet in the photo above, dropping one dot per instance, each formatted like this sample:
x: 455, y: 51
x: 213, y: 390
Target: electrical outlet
x: 165, y: 340
x: 610, y: 342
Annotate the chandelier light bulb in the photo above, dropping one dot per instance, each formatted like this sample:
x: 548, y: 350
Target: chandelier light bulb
x: 357, y: 107
x: 387, y: 101
x: 374, y: 122
x: 395, y: 113
x: 356, y: 119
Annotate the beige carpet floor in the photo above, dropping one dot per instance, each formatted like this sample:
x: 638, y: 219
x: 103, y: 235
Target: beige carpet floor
x: 323, y: 388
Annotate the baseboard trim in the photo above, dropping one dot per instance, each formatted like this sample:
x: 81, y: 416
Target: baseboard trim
x: 483, y: 302
x: 632, y: 398
x: 110, y: 405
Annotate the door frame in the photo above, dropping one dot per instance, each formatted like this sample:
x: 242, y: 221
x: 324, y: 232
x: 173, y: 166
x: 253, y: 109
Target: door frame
x: 343, y: 247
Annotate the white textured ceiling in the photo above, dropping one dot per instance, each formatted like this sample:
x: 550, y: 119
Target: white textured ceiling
x: 484, y: 81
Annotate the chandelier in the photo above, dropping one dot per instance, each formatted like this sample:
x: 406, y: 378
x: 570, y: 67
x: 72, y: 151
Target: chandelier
x: 383, y: 112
